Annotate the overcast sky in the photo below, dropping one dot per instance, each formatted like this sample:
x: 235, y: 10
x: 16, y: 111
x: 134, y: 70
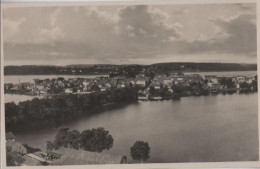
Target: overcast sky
x: 130, y: 34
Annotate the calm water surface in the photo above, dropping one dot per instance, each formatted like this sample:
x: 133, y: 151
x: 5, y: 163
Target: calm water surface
x: 226, y: 74
x: 29, y: 78
x: 192, y: 129
x: 16, y: 98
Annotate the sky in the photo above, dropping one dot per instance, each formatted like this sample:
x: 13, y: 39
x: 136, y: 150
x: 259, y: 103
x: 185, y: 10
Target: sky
x: 133, y: 34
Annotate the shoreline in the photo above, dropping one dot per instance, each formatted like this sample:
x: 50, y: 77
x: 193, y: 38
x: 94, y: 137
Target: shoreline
x: 151, y: 98
x: 107, y: 107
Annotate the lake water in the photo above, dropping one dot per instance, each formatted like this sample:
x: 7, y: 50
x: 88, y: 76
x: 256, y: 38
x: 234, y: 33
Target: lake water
x: 226, y: 74
x: 192, y: 129
x: 16, y: 98
x: 29, y: 78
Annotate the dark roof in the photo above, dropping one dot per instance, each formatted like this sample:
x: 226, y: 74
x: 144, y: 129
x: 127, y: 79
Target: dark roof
x: 10, y: 136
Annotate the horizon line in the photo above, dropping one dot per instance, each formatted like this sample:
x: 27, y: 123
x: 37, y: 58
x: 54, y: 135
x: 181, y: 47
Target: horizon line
x: 135, y: 64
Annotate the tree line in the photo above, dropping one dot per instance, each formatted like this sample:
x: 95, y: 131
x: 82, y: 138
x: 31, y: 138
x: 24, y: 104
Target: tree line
x: 38, y: 113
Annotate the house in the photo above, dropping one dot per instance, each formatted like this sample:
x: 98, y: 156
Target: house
x: 43, y: 91
x: 170, y: 90
x: 8, y: 86
x: 157, y: 86
x: 60, y: 83
x: 212, y: 79
x: 45, y: 82
x: 178, y: 79
x: 122, y: 85
x: 240, y: 79
x: 103, y: 88
x: 215, y: 87
x: 16, y: 147
x: 85, y: 83
x: 17, y: 87
x: 249, y: 80
x: 157, y: 98
x: 40, y: 87
x: 140, y: 81
x: 193, y: 78
x: 163, y: 80
x: 27, y: 86
x: 143, y: 96
x: 167, y: 80
x: 209, y: 84
x: 69, y: 90
x: 35, y: 91
x: 37, y: 82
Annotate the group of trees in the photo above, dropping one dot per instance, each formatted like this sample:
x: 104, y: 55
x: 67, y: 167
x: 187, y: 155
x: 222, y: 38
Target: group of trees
x: 193, y: 87
x: 95, y: 140
x: 177, y: 89
x: 228, y: 83
x: 37, y: 113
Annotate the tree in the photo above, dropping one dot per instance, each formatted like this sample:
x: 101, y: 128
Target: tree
x: 227, y: 83
x: 73, y: 139
x: 65, y: 138
x: 152, y: 90
x: 96, y: 140
x: 244, y: 85
x: 51, y: 146
x: 140, y: 151
x: 163, y: 91
x: 177, y: 88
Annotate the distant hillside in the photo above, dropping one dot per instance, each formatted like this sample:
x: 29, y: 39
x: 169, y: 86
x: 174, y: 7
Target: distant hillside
x: 82, y: 69
x: 204, y: 67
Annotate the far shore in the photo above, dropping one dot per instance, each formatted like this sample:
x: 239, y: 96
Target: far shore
x: 107, y: 74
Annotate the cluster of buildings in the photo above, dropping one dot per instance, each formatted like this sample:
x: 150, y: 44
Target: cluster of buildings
x: 89, y: 85
x: 195, y: 84
x: 73, y: 85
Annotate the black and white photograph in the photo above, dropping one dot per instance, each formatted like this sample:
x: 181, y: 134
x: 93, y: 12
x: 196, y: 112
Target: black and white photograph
x: 128, y: 83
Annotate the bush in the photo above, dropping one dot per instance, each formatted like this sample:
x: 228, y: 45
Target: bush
x: 140, y: 151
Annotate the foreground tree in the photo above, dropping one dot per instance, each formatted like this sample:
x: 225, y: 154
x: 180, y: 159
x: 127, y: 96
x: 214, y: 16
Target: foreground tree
x: 65, y: 138
x: 51, y: 146
x: 140, y: 151
x: 96, y: 140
